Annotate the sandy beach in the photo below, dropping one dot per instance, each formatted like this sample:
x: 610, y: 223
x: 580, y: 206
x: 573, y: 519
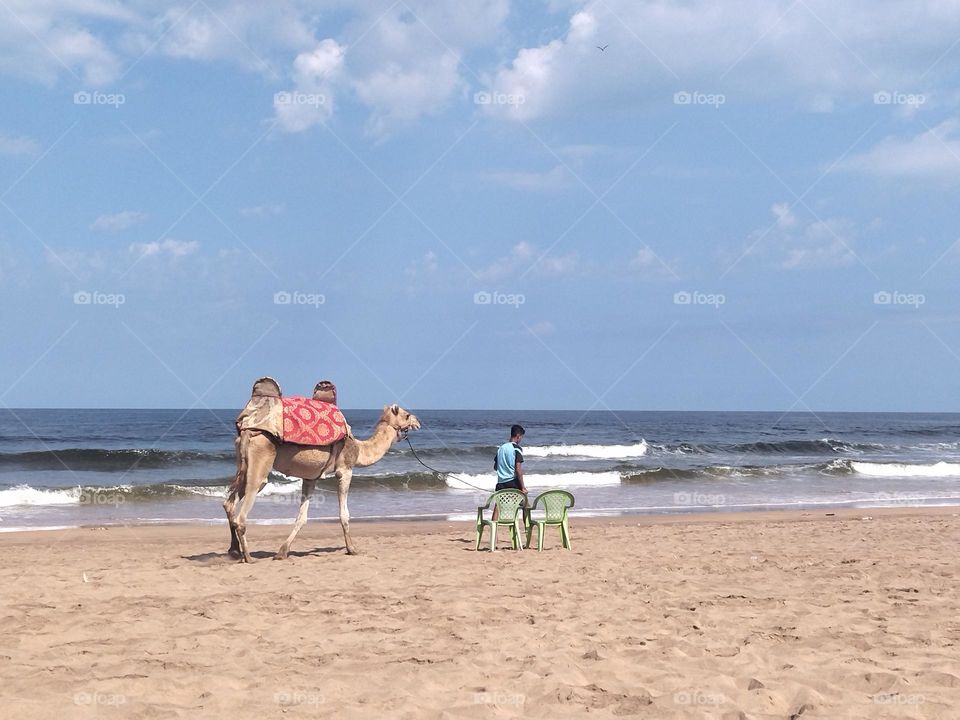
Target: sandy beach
x: 737, y: 616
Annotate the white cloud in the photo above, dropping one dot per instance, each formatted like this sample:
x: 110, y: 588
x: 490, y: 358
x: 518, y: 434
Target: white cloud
x: 426, y: 265
x: 263, y: 210
x: 558, y: 264
x: 405, y: 63
x: 784, y: 214
x: 934, y: 153
x: 822, y: 244
x: 554, y: 179
x: 168, y: 247
x: 41, y: 39
x: 79, y: 263
x: 118, y: 221
x: 542, y: 329
x: 399, y: 93
x: 249, y: 34
x: 812, y: 54
x: 648, y: 264
x: 18, y: 145
x: 799, y: 245
x: 518, y: 258
x: 525, y: 257
x: 310, y: 102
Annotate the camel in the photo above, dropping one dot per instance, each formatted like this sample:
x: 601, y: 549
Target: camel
x: 259, y: 452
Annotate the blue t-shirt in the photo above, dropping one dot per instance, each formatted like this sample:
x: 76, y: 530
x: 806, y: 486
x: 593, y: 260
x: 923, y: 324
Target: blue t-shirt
x: 508, y: 455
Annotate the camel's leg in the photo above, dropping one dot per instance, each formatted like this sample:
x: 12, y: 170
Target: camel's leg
x: 230, y: 503
x: 228, y: 506
x: 258, y: 460
x: 344, y: 475
x: 305, y: 493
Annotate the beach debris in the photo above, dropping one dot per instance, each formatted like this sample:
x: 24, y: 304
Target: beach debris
x: 591, y: 655
x: 867, y: 517
x: 755, y: 684
x: 85, y: 577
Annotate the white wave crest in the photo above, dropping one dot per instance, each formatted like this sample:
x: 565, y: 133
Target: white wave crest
x: 940, y: 469
x: 220, y: 492
x: 273, y: 488
x: 488, y: 481
x: 591, y: 451
x: 26, y: 495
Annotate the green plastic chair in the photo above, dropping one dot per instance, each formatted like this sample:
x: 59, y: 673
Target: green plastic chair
x: 555, y: 504
x: 510, y: 502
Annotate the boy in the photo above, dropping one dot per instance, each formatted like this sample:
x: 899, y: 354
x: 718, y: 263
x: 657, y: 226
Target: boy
x: 509, y: 462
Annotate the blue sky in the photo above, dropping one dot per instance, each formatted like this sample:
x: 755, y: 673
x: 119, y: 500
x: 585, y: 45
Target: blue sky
x: 748, y: 205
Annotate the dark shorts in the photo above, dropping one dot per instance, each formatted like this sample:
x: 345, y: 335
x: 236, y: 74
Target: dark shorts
x: 509, y: 485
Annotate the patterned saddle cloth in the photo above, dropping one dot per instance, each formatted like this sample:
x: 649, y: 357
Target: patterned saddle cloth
x: 312, y: 422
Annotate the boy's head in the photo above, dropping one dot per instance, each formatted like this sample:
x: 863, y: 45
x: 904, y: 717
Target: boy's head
x: 516, y: 432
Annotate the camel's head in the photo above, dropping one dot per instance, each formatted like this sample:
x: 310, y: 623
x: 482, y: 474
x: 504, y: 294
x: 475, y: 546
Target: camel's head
x: 399, y: 419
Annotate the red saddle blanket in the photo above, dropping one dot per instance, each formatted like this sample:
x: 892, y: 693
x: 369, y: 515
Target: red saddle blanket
x: 312, y: 422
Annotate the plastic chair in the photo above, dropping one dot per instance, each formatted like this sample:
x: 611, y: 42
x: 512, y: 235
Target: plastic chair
x: 555, y: 504
x: 510, y: 503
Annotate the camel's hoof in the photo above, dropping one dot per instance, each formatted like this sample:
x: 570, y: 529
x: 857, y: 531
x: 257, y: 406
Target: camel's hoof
x: 352, y: 551
x: 280, y: 556
x: 235, y: 554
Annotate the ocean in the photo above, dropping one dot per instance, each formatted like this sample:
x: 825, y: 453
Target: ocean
x: 64, y: 468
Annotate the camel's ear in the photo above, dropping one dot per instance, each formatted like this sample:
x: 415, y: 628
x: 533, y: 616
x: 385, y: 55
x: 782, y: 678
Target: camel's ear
x: 395, y: 409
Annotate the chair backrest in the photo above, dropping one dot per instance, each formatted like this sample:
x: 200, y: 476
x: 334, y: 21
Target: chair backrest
x: 555, y: 503
x: 509, y: 502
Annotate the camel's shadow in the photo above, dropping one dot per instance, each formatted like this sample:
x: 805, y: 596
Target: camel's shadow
x: 224, y: 558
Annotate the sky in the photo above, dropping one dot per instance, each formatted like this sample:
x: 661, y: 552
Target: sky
x: 625, y: 204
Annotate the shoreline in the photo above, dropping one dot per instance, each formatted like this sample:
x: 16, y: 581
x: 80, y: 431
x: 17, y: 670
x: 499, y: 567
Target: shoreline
x: 415, y: 523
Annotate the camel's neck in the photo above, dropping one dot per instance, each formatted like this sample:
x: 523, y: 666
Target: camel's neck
x: 375, y: 447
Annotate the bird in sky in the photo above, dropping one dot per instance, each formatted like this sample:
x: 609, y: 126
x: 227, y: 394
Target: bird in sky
x: 601, y: 49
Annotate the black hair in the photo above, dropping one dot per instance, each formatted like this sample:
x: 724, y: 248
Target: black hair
x: 517, y: 430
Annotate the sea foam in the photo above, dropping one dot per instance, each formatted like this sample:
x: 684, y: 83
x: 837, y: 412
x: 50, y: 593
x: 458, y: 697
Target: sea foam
x: 940, y: 469
x: 488, y: 481
x: 589, y: 451
x: 26, y: 495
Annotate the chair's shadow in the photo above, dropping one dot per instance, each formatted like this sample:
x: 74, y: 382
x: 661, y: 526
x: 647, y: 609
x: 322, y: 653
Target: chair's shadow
x: 216, y: 558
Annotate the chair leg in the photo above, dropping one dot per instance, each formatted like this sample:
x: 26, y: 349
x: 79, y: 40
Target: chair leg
x: 565, y: 534
x: 479, y: 536
x: 529, y: 532
x: 493, y: 537
x: 540, y: 528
